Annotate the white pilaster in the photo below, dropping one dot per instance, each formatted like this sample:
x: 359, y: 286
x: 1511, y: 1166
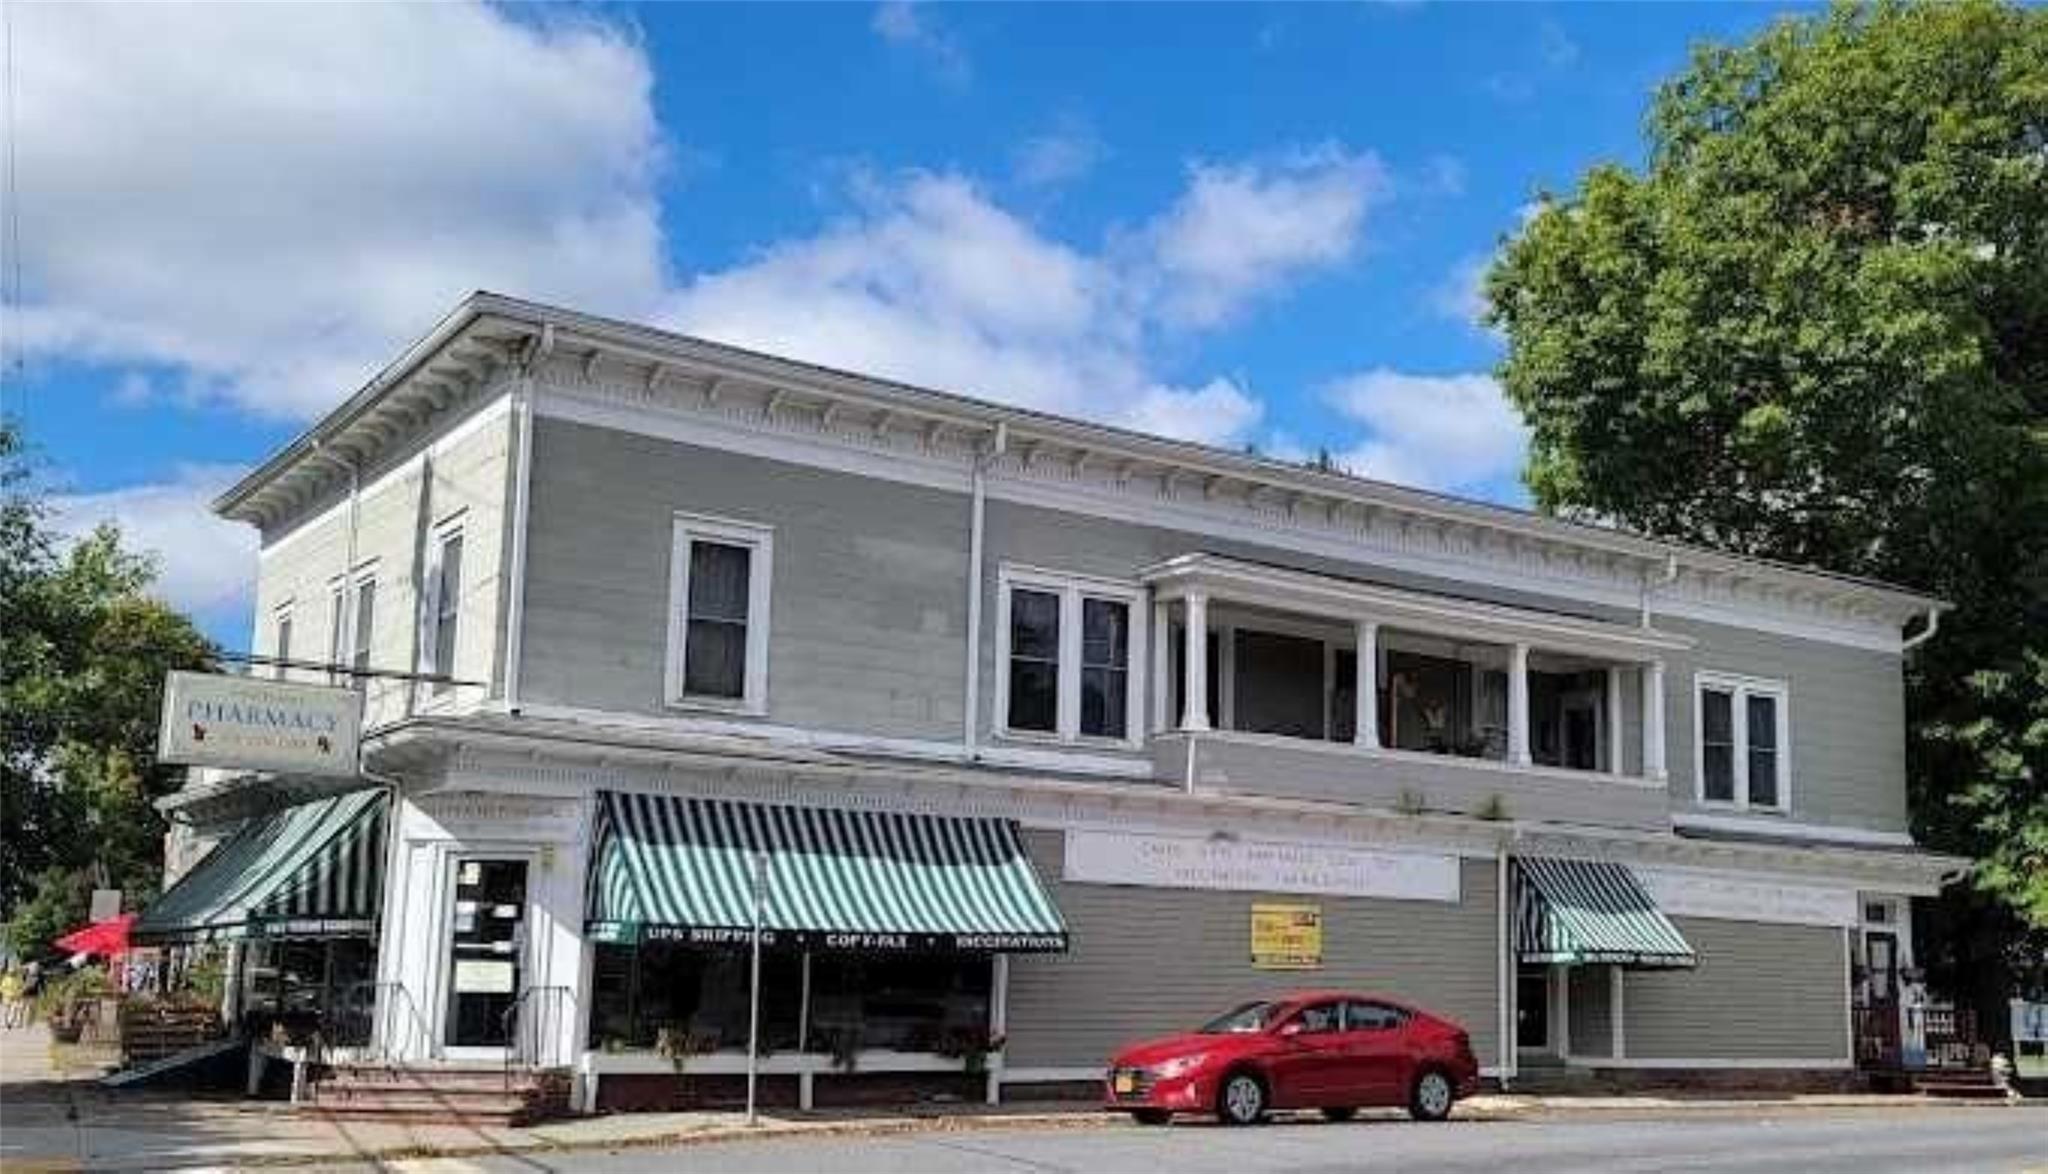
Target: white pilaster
x: 1366, y: 728
x: 1617, y: 1043
x: 1518, y: 705
x: 1653, y: 721
x: 1615, y: 749
x: 998, y: 1023
x: 1162, y: 667
x: 1194, y: 689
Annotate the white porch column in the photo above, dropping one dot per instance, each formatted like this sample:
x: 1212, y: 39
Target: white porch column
x: 1162, y: 667
x: 1518, y: 705
x: 1194, y: 688
x: 1614, y: 743
x: 1653, y: 720
x: 1617, y: 1039
x: 1365, y: 729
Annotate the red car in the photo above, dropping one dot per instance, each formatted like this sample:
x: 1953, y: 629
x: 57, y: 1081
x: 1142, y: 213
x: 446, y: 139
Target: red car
x: 1328, y: 1050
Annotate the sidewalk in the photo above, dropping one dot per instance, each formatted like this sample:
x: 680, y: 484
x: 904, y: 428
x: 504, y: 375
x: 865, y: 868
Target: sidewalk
x: 49, y: 1122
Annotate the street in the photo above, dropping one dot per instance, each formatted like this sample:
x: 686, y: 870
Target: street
x: 1922, y: 1140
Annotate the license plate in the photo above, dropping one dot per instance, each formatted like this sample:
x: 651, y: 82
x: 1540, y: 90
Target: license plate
x: 1126, y: 1084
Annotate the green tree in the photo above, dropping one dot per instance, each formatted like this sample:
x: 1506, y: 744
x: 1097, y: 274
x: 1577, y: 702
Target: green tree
x: 83, y: 652
x: 1814, y: 327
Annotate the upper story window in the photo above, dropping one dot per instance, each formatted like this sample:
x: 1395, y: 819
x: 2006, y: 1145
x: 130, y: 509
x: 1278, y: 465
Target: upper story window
x: 719, y: 573
x: 443, y: 603
x: 352, y: 622
x: 281, y: 643
x: 1066, y: 648
x: 365, y: 624
x: 1742, y: 754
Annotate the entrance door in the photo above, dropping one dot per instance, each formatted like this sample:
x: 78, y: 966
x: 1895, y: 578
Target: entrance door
x: 486, y: 947
x: 1532, y: 1008
x: 1881, y: 952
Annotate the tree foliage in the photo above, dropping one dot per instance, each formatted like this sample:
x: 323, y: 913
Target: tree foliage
x: 83, y: 652
x: 1814, y: 327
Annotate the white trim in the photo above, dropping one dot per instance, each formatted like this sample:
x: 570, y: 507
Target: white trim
x: 522, y: 496
x: 393, y: 476
x: 1743, y: 1063
x: 1344, y: 600
x: 1232, y: 519
x: 1048, y: 1074
x: 1740, y: 689
x: 1073, y: 591
x: 787, y: 737
x: 282, y: 621
x: 454, y: 526
x: 759, y: 540
x: 733, y: 1063
x: 1789, y: 830
x: 1397, y: 756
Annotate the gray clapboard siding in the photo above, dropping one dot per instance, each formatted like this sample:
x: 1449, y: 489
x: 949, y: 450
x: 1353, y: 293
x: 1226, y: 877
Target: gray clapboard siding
x: 1848, y: 717
x: 1590, y: 1012
x: 869, y: 595
x: 468, y: 479
x: 1148, y: 962
x: 1760, y: 992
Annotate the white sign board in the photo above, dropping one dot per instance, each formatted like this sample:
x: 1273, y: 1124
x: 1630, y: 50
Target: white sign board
x: 250, y: 723
x: 482, y: 977
x: 1741, y: 898
x: 473, y: 815
x: 1259, y: 866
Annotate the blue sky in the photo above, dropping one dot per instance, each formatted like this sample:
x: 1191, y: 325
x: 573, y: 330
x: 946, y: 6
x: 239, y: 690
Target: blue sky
x: 1255, y: 224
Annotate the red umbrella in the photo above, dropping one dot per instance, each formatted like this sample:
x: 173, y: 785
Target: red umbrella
x: 109, y: 937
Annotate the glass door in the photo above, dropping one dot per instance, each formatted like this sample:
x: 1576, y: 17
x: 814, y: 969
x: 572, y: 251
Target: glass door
x: 486, y: 950
x: 1532, y: 1007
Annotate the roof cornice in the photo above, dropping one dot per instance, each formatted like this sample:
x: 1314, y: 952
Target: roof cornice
x: 488, y: 334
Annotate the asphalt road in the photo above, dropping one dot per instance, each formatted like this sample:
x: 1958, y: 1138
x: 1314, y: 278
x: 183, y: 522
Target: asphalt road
x: 1865, y: 1141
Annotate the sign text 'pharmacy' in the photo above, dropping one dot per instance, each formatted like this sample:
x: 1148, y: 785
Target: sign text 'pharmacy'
x: 247, y: 723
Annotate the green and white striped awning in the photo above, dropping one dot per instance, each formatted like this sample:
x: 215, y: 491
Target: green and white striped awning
x: 1591, y: 911
x: 668, y: 868
x: 311, y: 870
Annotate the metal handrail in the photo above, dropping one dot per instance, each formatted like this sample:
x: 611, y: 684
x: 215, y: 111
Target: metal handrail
x: 535, y: 1017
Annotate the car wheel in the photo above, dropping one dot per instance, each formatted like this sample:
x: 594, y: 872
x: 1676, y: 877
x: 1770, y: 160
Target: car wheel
x: 1432, y: 1096
x: 1241, y: 1100
x: 1344, y: 1113
x: 1151, y: 1116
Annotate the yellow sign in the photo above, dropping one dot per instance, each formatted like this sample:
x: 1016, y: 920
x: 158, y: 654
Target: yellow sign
x: 1287, y: 937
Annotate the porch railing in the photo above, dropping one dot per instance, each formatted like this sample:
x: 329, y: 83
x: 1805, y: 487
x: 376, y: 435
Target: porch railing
x: 1947, y: 1033
x: 533, y: 1028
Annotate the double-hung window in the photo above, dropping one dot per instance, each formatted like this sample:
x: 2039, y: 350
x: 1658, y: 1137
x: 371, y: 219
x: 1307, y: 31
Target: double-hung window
x: 352, y: 612
x: 719, y: 575
x: 281, y: 644
x: 1067, y: 646
x: 443, y: 604
x: 1742, y: 755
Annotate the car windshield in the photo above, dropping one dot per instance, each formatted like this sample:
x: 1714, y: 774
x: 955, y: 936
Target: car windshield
x: 1242, y: 1020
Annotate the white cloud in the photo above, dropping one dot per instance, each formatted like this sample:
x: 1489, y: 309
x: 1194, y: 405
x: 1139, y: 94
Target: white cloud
x: 1448, y: 432
x: 206, y: 563
x: 1065, y: 155
x: 1461, y: 295
x: 1243, y: 229
x: 929, y: 281
x: 900, y: 23
x: 275, y: 240
x: 1555, y: 46
x: 275, y: 201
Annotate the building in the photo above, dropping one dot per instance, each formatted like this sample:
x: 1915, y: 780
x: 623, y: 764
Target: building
x: 915, y: 667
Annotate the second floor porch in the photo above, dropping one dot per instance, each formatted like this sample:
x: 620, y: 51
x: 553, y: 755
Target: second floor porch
x: 1315, y: 686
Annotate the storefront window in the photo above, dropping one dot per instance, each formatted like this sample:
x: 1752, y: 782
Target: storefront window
x: 698, y: 996
x: 308, y: 985
x: 905, y: 1002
